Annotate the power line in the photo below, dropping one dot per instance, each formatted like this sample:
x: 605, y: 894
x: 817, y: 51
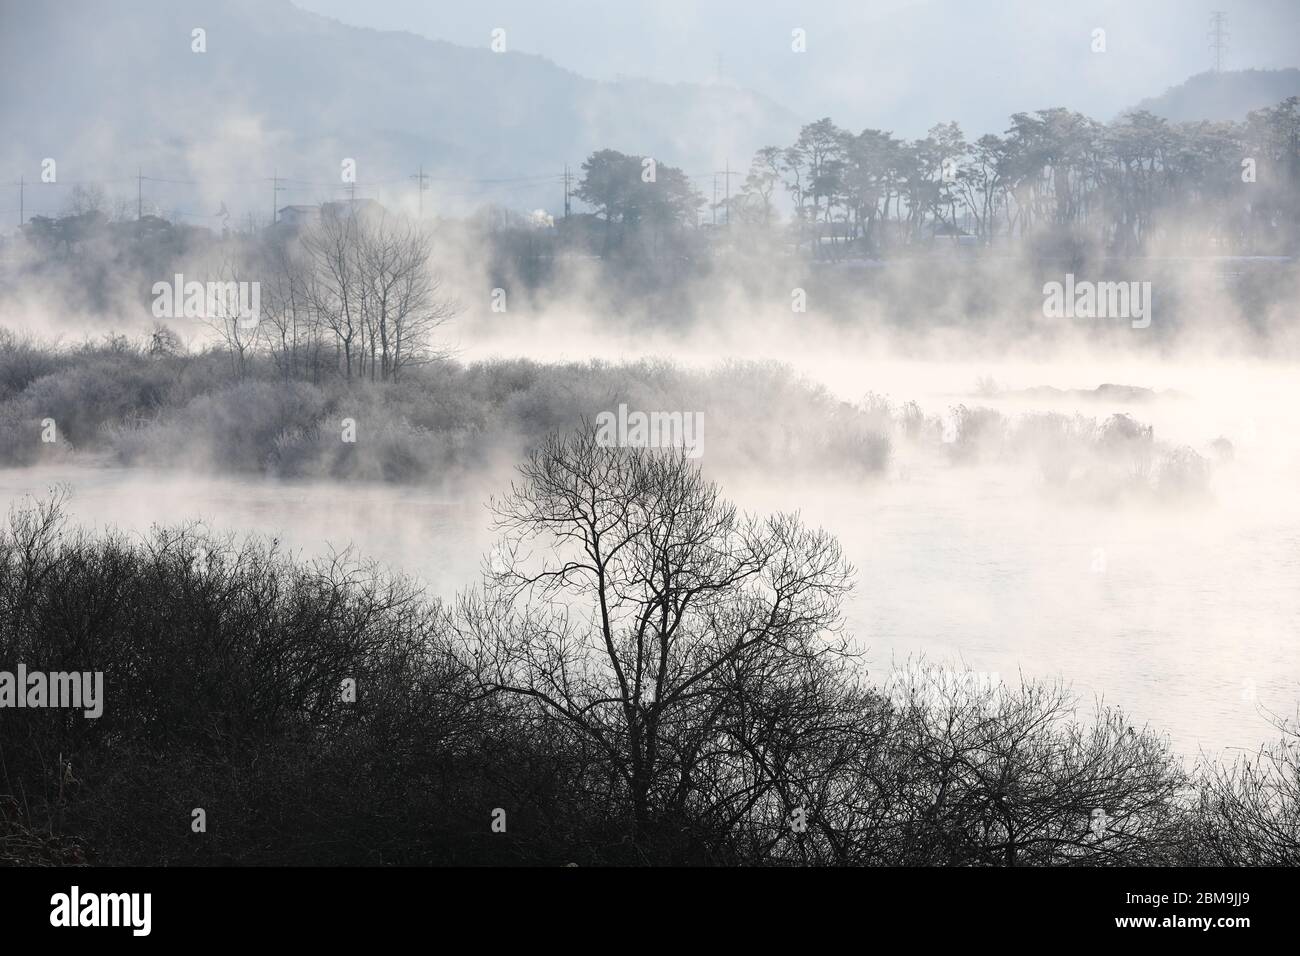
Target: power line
x: 472, y: 187
x: 196, y: 215
x: 536, y: 178
x: 294, y: 183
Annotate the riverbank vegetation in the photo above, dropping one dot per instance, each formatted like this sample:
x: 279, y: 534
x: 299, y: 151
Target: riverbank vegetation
x: 644, y: 676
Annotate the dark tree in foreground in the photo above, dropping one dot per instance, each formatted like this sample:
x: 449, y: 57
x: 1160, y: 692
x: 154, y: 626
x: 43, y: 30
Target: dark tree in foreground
x: 694, y: 658
x: 694, y: 651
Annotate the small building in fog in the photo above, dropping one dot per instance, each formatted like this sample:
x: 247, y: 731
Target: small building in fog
x: 298, y: 216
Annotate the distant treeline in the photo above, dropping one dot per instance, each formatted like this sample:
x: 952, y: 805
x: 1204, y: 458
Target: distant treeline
x: 363, y: 292
x: 645, y: 676
x: 1055, y: 176
x: 1056, y: 182
x: 1056, y: 179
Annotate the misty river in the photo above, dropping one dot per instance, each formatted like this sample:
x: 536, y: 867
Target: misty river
x: 1186, y: 618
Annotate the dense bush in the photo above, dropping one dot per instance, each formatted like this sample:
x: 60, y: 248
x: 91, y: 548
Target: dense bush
x: 150, y: 406
x: 223, y: 669
x: 1249, y: 811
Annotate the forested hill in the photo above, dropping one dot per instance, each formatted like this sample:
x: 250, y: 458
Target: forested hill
x: 1229, y: 95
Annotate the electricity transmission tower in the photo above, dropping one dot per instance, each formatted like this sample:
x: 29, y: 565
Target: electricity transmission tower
x: 1218, y: 38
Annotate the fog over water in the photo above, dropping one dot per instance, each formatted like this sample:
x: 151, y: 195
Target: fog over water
x: 1183, y: 613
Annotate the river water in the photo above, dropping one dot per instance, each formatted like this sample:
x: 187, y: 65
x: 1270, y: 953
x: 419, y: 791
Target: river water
x: 1187, y: 616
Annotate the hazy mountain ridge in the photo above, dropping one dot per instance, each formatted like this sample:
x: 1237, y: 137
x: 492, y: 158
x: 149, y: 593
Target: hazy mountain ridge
x: 1223, y: 96
x: 283, y: 88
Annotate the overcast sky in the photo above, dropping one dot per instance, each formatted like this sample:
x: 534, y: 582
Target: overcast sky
x: 895, y: 64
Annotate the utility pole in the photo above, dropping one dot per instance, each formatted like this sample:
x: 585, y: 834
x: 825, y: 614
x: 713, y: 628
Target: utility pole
x: 1218, y: 38
x: 419, y: 179
x: 728, y: 174
x: 566, y: 190
x: 276, y: 189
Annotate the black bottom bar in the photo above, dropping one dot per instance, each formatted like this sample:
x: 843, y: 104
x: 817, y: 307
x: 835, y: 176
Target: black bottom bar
x: 548, y: 906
